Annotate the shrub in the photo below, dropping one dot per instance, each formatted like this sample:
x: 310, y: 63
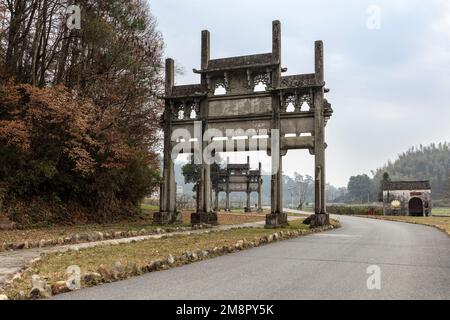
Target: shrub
x: 356, y: 210
x: 59, y: 164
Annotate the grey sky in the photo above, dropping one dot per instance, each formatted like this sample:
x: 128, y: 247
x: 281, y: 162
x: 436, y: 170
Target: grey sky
x: 390, y: 88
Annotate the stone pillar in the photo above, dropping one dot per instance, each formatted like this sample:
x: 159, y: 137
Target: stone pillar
x: 321, y: 217
x: 260, y: 190
x: 276, y: 218
x: 168, y: 213
x: 260, y: 209
x: 206, y: 49
x: 162, y: 197
x: 208, y: 188
x: 248, y: 205
x: 227, y: 201
x: 216, y: 201
x: 276, y: 52
x: 279, y: 186
x: 205, y: 55
x: 204, y: 213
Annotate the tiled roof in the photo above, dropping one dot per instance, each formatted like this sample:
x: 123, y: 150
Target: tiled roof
x: 240, y: 62
x: 299, y: 80
x: 406, y: 185
x: 188, y: 90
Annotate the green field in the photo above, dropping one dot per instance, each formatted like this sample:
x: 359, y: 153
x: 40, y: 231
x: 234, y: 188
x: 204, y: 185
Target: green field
x: 441, y: 211
x: 149, y: 207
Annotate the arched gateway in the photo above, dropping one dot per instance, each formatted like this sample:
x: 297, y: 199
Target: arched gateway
x: 416, y: 207
x: 290, y: 114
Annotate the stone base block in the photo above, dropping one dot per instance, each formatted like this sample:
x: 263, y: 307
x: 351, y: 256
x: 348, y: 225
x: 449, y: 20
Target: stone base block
x: 204, y: 218
x: 319, y: 220
x: 167, y: 217
x: 276, y: 220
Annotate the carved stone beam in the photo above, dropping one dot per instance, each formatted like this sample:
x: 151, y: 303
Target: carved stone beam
x: 297, y: 103
x: 208, y: 82
x: 187, y: 111
x: 172, y: 110
x: 250, y: 82
x: 197, y: 107
x: 226, y: 81
x: 311, y: 100
x: 269, y: 77
x: 282, y: 102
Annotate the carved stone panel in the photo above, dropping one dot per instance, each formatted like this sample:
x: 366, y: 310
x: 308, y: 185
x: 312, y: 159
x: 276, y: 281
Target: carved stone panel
x: 255, y: 127
x: 297, y: 126
x: 239, y: 107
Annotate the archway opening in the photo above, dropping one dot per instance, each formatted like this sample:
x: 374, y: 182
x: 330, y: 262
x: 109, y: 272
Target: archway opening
x: 416, y: 207
x: 260, y: 87
x: 220, y: 90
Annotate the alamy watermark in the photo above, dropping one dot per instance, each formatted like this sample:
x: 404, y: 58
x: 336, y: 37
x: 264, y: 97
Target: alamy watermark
x: 373, y: 21
x: 74, y: 278
x: 206, y: 144
x: 74, y: 17
x: 374, y: 280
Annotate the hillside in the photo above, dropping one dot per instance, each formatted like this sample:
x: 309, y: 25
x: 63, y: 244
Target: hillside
x: 422, y: 163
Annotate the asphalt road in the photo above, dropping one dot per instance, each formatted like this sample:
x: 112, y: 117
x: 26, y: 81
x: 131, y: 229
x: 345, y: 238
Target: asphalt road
x: 414, y: 262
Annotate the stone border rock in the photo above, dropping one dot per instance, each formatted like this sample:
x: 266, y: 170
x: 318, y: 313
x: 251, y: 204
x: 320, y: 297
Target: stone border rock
x: 20, y: 294
x: 117, y: 271
x: 92, y: 237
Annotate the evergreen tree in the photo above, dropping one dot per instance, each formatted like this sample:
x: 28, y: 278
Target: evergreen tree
x: 422, y: 163
x: 386, y: 178
x: 446, y: 191
x: 191, y: 173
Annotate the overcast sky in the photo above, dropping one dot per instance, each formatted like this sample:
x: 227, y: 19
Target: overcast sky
x: 390, y: 86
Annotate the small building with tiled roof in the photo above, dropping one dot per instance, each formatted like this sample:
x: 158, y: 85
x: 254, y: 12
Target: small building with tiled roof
x: 407, y: 198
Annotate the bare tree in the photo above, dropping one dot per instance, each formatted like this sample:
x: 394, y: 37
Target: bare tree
x: 304, y: 186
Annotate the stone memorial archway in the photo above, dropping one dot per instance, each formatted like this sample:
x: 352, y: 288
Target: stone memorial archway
x: 290, y: 114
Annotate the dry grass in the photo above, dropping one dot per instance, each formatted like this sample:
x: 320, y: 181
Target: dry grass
x: 144, y: 222
x: 53, y: 267
x: 230, y: 218
x: 52, y: 233
x: 442, y: 223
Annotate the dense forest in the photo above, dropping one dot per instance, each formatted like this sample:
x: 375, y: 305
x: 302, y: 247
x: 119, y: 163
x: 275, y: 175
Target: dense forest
x: 418, y: 163
x: 422, y: 163
x: 78, y: 109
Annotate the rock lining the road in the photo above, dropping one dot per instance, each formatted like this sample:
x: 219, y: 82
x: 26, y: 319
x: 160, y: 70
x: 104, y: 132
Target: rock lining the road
x: 14, y: 263
x: 117, y: 271
x: 89, y: 237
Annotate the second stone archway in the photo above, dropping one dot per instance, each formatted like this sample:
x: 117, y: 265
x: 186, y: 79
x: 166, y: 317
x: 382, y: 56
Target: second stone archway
x: 239, y: 178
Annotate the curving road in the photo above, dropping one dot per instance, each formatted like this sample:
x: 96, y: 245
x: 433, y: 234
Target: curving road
x: 414, y: 262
